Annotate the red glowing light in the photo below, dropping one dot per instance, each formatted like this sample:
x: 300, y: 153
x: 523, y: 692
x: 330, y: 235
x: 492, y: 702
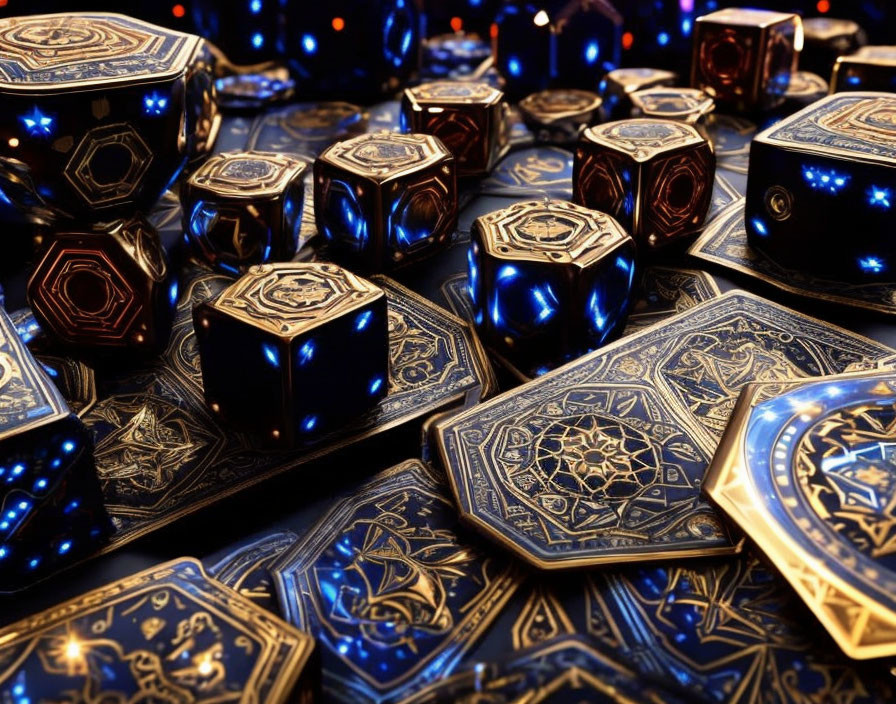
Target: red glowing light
x: 627, y: 40
x: 823, y: 6
x: 178, y: 10
x: 493, y: 30
x: 457, y: 24
x: 338, y: 24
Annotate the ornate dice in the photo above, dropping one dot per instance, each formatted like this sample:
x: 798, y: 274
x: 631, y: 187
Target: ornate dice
x: 617, y: 88
x: 245, y: 208
x: 383, y: 199
x: 562, y: 43
x: 560, y: 115
x: 870, y: 68
x: 549, y: 280
x: 469, y: 118
x: 817, y: 174
x: 826, y: 39
x: 654, y: 176
x: 95, y: 109
x: 105, y: 288
x: 743, y: 58
x: 290, y: 351
x: 51, y: 508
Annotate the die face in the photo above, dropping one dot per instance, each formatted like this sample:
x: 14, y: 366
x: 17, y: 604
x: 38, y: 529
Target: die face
x: 809, y: 176
x: 743, y: 58
x: 468, y: 118
x: 107, y: 289
x: 383, y: 199
x: 245, y: 208
x: 311, y: 341
x: 333, y: 50
x: 618, y: 86
x: 871, y: 68
x: 686, y: 104
x: 549, y: 280
x: 559, y: 115
x: 656, y: 176
x: 81, y: 114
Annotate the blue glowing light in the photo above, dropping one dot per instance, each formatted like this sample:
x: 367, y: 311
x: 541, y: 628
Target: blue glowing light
x: 272, y: 354
x: 662, y: 38
x: 854, y: 80
x: 258, y: 40
x: 155, y: 104
x: 825, y: 179
x: 68, y: 446
x: 65, y: 547
x: 72, y: 506
x: 514, y: 67
x: 879, y: 197
x: 18, y: 469
x: 35, y: 561
x: 38, y: 124
x: 309, y: 44
x: 172, y: 293
x: 40, y: 484
x: 308, y: 423
x: 473, y: 276
x: 686, y: 26
x: 376, y: 385
x: 541, y: 371
x: 362, y: 320
x: 546, y: 302
x: 306, y: 353
x: 18, y: 690
x: 3, y: 553
x: 507, y: 272
x: 592, y: 51
x: 759, y: 226
x: 872, y: 265
x: 255, y: 6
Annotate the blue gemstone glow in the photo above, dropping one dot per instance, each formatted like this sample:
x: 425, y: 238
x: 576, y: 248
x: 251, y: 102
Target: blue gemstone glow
x: 362, y: 320
x: 309, y: 44
x: 155, y: 104
x: 37, y: 124
x: 308, y: 423
x: 662, y: 38
x: 65, y: 547
x: 545, y: 301
x: 872, y: 265
x: 854, y: 80
x: 825, y: 179
x: 271, y: 354
x: 592, y: 51
x: 68, y: 446
x: 258, y: 40
x: 514, y: 67
x: 306, y: 353
x: 879, y: 197
x: 172, y: 293
x: 759, y: 226
x: 255, y: 7
x: 376, y: 385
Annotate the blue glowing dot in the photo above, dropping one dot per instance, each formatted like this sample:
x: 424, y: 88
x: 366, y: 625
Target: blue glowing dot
x: 592, y: 51
x: 65, y: 547
x: 362, y: 320
x: 47, y: 368
x: 38, y: 124
x: 258, y: 40
x: 854, y: 80
x: 825, y: 179
x: 759, y: 226
x: 541, y: 371
x: 3, y: 553
x: 308, y: 423
x: 376, y: 385
x: 4, y: 525
x: 686, y: 26
x: 18, y: 690
x: 507, y: 272
x: 662, y: 38
x: 68, y: 446
x: 35, y: 561
x: 872, y: 265
x: 306, y: 352
x: 172, y: 293
x: 23, y: 505
x: 879, y: 197
x: 271, y: 354
x: 309, y: 44
x: 40, y: 484
x: 255, y: 7
x: 55, y: 463
x: 72, y: 506
x: 18, y: 469
x: 155, y: 104
x: 342, y: 648
x: 514, y: 67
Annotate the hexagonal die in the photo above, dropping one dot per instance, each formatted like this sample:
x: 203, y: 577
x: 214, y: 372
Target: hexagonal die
x: 870, y: 68
x: 743, y: 58
x: 549, y: 280
x: 688, y: 105
x: 827, y: 39
x: 310, y: 345
x: 51, y: 506
x: 470, y: 119
x: 245, y: 208
x: 95, y: 109
x: 814, y: 175
x: 383, y: 199
x: 105, y: 288
x: 618, y: 86
x: 558, y: 116
x: 564, y: 43
x: 654, y: 176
